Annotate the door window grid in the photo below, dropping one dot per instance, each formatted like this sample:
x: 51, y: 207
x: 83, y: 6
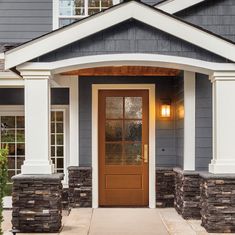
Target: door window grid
x: 72, y: 10
x: 123, y: 135
x: 57, y: 140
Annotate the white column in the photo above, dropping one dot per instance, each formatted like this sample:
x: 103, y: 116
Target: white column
x: 37, y: 123
x: 223, y: 123
x: 189, y: 120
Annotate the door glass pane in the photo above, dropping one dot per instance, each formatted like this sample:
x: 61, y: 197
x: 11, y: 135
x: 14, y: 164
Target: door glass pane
x: 20, y: 161
x: 60, y: 139
x: 20, y: 121
x: 11, y: 149
x: 113, y: 130
x: 133, y: 154
x: 133, y: 107
x: 60, y: 151
x: 21, y: 149
x: 59, y: 116
x: 8, y: 121
x: 8, y: 136
x: 20, y: 136
x: 113, y: 154
x: 114, y: 107
x: 11, y: 162
x: 133, y: 130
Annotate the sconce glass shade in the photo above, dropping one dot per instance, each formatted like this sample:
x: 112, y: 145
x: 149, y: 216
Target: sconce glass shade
x: 165, y: 110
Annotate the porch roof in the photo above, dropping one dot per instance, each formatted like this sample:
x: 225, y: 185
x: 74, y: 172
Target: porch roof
x: 113, y: 16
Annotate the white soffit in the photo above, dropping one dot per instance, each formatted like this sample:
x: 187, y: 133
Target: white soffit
x: 115, y: 15
x: 174, y: 6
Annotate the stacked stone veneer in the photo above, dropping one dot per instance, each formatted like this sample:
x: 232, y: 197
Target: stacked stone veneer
x: 37, y: 203
x: 80, y: 186
x: 165, y: 187
x: 218, y: 202
x: 187, y: 193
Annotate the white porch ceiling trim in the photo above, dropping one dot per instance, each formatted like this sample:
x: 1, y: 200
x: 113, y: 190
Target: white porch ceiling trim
x: 1, y: 56
x: 115, y: 15
x: 134, y: 59
x: 8, y: 75
x: 174, y: 6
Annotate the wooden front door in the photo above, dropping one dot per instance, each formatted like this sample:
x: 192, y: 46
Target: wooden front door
x: 123, y: 147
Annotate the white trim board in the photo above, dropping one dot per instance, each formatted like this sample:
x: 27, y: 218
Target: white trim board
x: 9, y: 75
x: 95, y: 89
x: 174, y: 6
x: 111, y: 17
x: 136, y: 59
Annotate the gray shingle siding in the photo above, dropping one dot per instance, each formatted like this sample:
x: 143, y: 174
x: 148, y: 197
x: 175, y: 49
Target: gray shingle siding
x: 203, y: 122
x: 15, y: 96
x: 217, y: 16
x: 165, y: 130
x: 131, y: 37
x: 23, y: 20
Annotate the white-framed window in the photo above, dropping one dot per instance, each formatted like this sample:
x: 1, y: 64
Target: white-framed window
x: 68, y: 11
x: 58, y: 140
x: 12, y: 134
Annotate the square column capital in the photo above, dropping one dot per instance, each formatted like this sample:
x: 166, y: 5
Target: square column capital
x: 223, y: 123
x: 223, y: 76
x: 36, y: 75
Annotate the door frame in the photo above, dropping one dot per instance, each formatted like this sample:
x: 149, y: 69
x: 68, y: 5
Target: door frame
x: 95, y: 162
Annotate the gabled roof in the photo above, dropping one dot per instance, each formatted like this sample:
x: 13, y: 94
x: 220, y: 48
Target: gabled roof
x: 113, y: 16
x: 173, y: 6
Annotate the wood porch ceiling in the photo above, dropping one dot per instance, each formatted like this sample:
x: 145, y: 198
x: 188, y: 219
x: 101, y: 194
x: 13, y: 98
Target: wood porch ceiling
x: 125, y: 71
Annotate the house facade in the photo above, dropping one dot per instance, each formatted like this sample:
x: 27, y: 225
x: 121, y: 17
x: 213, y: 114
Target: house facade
x: 121, y: 104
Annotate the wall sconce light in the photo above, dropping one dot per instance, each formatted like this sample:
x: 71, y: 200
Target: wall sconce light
x: 166, y: 109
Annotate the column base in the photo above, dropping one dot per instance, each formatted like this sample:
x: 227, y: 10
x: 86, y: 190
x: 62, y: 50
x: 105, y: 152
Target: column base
x: 80, y: 186
x: 37, y: 167
x: 218, y: 203
x: 187, y: 193
x: 37, y: 203
x: 222, y: 167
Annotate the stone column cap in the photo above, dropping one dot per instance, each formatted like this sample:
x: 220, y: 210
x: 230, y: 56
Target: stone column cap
x: 208, y: 175
x: 79, y: 168
x: 161, y: 168
x: 44, y: 177
x: 183, y: 172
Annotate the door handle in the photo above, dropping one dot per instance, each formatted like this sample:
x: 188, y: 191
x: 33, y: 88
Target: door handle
x: 146, y: 153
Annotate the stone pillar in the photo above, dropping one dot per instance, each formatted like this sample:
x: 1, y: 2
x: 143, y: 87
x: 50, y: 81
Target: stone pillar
x: 189, y: 121
x: 37, y: 192
x: 223, y: 123
x: 218, y: 202
x: 37, y: 203
x: 187, y: 193
x: 37, y: 123
x: 80, y: 186
x: 165, y: 187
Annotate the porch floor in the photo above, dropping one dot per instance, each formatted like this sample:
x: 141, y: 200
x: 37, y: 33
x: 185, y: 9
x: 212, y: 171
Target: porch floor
x: 115, y: 221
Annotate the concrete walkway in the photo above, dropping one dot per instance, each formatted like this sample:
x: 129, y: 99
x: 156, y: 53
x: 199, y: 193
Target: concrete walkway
x: 129, y: 221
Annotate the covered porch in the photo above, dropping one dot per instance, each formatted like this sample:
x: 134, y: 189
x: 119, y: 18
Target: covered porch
x: 175, y: 140
x: 134, y: 82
